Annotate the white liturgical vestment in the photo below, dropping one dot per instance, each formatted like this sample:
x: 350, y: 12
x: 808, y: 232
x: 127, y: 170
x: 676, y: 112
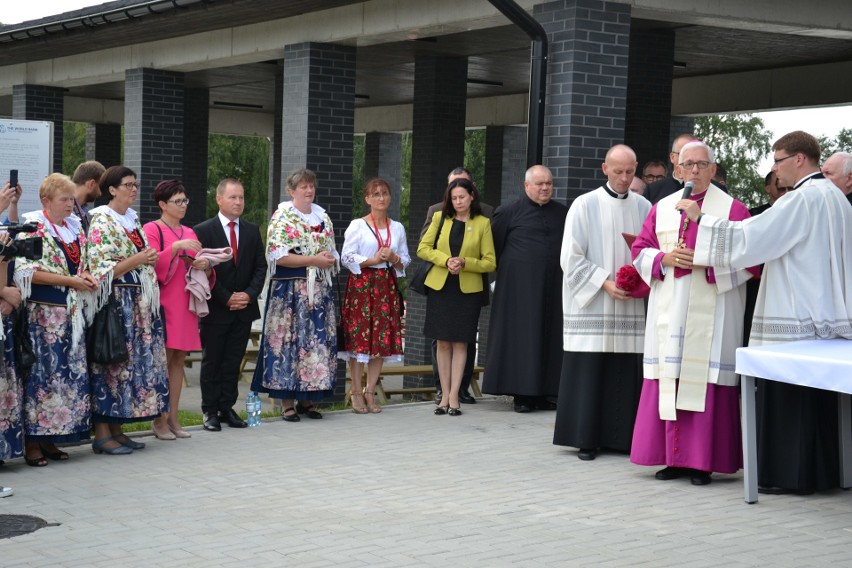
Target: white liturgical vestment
x: 805, y: 239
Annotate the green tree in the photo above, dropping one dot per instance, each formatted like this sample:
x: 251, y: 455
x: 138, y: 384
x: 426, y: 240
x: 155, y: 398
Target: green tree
x: 840, y: 143
x: 245, y: 158
x: 740, y: 142
x: 73, y: 146
x: 474, y: 157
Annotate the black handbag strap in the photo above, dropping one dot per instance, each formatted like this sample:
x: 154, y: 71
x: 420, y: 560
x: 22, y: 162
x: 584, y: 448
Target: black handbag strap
x: 438, y: 234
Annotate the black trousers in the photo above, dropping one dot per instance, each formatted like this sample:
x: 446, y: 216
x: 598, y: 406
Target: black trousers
x: 468, y: 366
x: 223, y: 349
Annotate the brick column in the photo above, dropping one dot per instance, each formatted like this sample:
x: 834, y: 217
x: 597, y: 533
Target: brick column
x: 195, y: 149
x: 276, y: 180
x: 679, y: 125
x: 587, y: 89
x: 153, y: 131
x: 649, y: 93
x: 437, y: 146
x: 318, y: 120
x: 505, y: 163
x: 37, y: 102
x: 103, y: 143
x: 383, y: 158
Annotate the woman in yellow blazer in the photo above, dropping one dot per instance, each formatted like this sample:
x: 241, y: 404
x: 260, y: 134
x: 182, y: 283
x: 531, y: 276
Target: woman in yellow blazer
x: 464, y: 251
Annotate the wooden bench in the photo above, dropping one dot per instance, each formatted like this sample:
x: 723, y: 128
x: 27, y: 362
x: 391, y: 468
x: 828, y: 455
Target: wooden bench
x: 398, y: 370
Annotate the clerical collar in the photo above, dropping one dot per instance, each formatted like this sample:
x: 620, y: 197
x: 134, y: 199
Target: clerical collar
x: 615, y: 194
x: 816, y: 175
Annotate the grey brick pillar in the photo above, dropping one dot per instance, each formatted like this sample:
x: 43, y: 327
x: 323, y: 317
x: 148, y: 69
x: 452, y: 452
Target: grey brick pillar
x: 37, y: 102
x: 649, y: 93
x: 505, y: 166
x: 103, y: 143
x: 437, y: 146
x: 679, y: 125
x: 195, y: 149
x: 276, y: 180
x: 383, y: 158
x: 318, y: 120
x: 505, y: 163
x: 317, y: 130
x: 587, y: 89
x: 153, y: 131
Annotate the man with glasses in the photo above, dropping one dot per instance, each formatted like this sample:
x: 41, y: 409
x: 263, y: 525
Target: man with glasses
x: 667, y: 186
x: 804, y: 239
x: 653, y: 171
x: 688, y: 417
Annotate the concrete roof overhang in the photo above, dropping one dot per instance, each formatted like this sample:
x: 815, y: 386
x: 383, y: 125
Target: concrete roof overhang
x: 732, y: 56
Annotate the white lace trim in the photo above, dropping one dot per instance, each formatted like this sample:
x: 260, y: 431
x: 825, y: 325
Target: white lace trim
x: 363, y: 358
x: 128, y: 220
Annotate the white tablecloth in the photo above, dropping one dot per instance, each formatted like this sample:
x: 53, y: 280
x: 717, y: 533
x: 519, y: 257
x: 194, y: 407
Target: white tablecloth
x: 820, y: 363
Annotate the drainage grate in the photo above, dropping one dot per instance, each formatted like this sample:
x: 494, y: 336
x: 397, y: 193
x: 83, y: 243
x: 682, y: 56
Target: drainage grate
x: 16, y: 525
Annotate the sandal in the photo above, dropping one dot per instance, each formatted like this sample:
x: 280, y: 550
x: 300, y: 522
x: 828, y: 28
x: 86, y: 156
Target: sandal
x: 290, y: 415
x: 359, y: 407
x: 371, y: 403
x: 40, y: 461
x: 310, y: 411
x: 54, y: 453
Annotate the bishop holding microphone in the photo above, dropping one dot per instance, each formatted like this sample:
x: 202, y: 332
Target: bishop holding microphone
x: 688, y: 417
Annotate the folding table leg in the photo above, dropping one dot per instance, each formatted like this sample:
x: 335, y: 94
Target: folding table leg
x: 749, y: 427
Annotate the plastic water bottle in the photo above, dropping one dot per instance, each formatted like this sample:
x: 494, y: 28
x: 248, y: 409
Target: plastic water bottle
x: 253, y: 407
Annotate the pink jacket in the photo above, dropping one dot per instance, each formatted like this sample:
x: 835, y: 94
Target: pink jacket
x: 197, y: 283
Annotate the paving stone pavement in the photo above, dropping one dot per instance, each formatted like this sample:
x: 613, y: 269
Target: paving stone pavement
x: 402, y: 488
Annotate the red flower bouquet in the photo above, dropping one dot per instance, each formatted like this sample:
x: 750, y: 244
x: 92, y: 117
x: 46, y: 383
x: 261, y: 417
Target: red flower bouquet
x: 628, y: 279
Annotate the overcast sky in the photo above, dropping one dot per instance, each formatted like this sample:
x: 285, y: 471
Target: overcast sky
x: 827, y: 121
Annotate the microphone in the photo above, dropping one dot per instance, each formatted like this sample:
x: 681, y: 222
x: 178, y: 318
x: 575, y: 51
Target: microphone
x: 687, y: 191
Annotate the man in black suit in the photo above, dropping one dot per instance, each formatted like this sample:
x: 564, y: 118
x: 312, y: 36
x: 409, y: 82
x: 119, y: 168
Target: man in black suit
x: 467, y: 374
x: 669, y: 185
x: 233, y: 304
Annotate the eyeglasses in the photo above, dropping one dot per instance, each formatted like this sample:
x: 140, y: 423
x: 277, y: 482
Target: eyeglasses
x: 131, y: 185
x: 779, y: 160
x: 179, y: 201
x: 702, y: 165
x: 651, y: 177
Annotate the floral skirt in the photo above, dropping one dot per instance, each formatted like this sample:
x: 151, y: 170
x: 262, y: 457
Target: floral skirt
x: 57, y: 406
x: 371, y: 317
x: 297, y: 358
x: 138, y: 389
x: 11, y: 396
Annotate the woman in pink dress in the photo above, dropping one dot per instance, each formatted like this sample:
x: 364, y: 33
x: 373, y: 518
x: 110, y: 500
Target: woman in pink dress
x: 177, y: 245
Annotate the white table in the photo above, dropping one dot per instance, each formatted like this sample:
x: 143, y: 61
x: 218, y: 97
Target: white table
x: 824, y: 364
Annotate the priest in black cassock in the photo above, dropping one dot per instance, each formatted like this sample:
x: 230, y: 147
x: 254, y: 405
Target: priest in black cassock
x: 525, y: 339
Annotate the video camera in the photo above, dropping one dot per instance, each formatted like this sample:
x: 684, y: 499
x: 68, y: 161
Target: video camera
x: 29, y: 248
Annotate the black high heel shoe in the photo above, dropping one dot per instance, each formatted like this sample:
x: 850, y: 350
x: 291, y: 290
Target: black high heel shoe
x: 441, y: 410
x: 454, y: 411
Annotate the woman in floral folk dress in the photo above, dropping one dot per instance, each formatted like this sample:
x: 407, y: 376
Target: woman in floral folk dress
x: 297, y: 359
x: 118, y: 256
x: 57, y: 408
x: 376, y: 254
x: 11, y: 391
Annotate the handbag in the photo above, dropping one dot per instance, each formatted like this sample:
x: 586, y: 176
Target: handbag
x: 417, y: 282
x: 24, y: 352
x: 106, y: 342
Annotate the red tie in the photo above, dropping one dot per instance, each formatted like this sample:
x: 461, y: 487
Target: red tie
x: 233, y: 225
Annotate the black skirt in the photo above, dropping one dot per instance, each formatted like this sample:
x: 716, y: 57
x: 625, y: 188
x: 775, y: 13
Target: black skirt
x: 452, y: 315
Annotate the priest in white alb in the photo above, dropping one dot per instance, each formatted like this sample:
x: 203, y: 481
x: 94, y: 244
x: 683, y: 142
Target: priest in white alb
x: 604, y: 318
x: 805, y: 239
x: 688, y: 417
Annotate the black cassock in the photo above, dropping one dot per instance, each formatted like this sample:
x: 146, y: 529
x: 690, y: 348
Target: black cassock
x: 525, y: 332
